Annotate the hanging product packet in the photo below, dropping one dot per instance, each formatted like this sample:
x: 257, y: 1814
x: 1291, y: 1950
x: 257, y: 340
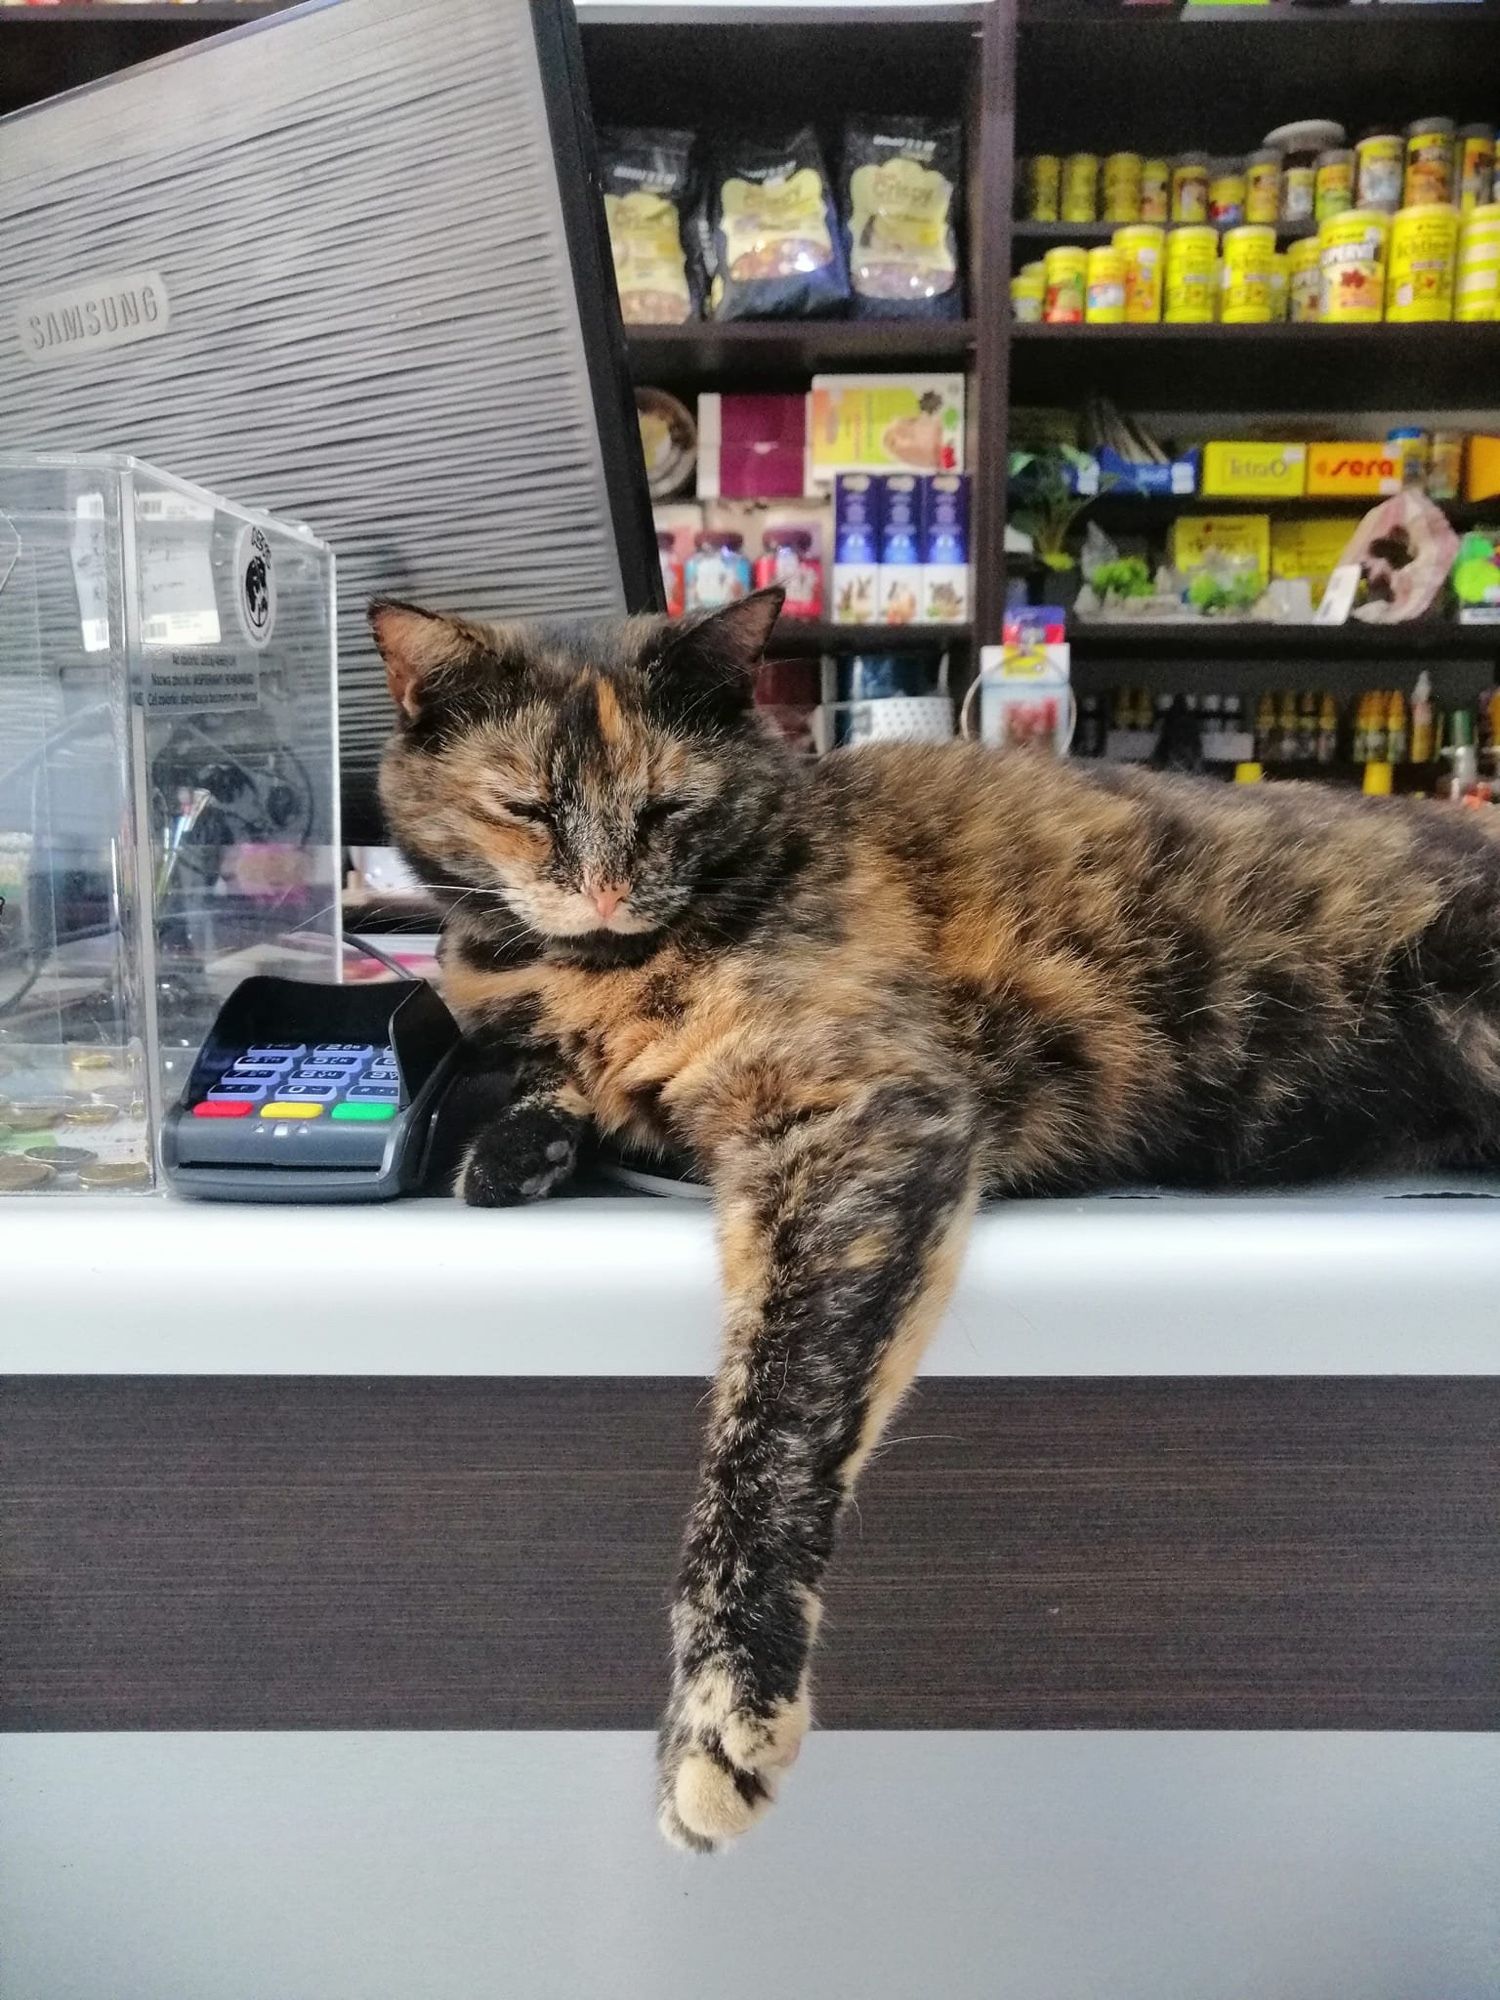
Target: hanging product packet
x: 648, y: 191
x: 777, y: 250
x: 901, y: 178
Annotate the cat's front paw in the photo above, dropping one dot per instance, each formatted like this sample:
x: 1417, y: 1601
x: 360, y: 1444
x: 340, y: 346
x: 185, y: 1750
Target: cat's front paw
x: 523, y: 1157
x: 720, y: 1757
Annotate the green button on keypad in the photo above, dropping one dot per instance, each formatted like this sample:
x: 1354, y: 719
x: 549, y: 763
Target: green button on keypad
x: 364, y: 1114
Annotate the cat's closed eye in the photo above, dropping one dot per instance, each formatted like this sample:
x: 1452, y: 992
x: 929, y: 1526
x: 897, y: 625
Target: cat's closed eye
x: 505, y: 812
x: 655, y: 811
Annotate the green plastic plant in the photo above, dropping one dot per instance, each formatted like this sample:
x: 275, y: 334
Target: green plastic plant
x: 1127, y: 576
x: 1049, y: 508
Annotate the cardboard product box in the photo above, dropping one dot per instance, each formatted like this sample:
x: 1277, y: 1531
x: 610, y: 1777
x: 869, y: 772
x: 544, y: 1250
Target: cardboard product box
x: 945, y: 548
x: 857, y: 506
x: 900, y: 599
x: 1249, y: 470
x: 1363, y: 469
x: 1108, y: 472
x: 1482, y: 477
x: 886, y: 423
x: 1310, y: 548
x: 1194, y: 535
x: 752, y: 447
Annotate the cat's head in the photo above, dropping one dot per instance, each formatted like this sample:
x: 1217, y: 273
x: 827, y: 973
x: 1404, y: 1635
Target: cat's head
x: 592, y: 780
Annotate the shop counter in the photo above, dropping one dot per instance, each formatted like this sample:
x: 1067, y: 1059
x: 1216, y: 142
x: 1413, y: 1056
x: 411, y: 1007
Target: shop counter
x: 339, y: 1546
x: 1390, y: 1279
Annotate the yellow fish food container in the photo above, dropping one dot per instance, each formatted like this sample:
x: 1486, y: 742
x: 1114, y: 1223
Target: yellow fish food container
x: 1477, y: 296
x: 1028, y: 295
x: 1475, y: 166
x: 1156, y: 191
x: 1066, y: 271
x: 1352, y: 258
x: 1080, y: 187
x: 1044, y: 187
x: 1104, y: 297
x: 1141, y: 244
x: 1422, y: 264
x: 1263, y: 185
x: 1249, y: 267
x: 1122, y: 187
x: 1304, y: 281
x: 1380, y: 170
x: 1192, y: 275
x: 1429, y: 163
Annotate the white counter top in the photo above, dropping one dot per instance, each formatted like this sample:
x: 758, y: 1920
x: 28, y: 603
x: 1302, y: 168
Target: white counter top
x: 1352, y: 1282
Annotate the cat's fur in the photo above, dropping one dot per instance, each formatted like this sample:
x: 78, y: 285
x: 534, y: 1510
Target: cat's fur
x: 860, y: 993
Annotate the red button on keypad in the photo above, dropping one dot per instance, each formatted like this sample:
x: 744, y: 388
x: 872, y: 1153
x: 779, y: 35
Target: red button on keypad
x: 224, y: 1107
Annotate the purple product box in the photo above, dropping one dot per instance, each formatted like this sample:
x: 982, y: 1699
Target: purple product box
x: 900, y: 550
x: 945, y: 548
x: 857, y: 511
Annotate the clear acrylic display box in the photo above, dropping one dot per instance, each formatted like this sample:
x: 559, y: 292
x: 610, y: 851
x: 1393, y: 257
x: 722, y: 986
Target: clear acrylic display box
x: 168, y: 796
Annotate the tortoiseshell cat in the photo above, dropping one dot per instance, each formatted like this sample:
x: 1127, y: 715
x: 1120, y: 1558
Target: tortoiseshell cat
x: 858, y: 993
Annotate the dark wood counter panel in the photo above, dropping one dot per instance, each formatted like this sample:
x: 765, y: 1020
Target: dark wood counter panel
x: 320, y: 1553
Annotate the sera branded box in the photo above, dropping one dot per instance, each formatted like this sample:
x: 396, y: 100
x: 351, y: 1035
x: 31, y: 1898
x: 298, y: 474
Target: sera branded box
x: 1362, y: 470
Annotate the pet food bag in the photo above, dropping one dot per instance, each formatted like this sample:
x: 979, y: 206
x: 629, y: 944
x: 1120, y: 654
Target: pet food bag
x: 777, y: 248
x: 901, y: 178
x: 647, y: 176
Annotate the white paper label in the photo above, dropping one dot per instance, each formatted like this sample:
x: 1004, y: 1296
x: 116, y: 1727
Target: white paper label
x: 107, y: 312
x: 90, y: 572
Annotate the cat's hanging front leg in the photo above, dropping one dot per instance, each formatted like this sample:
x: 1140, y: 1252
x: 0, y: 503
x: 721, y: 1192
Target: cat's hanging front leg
x: 841, y: 1234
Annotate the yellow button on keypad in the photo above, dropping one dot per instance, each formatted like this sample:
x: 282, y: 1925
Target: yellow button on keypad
x: 291, y: 1111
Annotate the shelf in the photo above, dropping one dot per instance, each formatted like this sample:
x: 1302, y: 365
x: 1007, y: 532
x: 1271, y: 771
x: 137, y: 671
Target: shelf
x: 1276, y: 14
x: 1128, y: 514
x: 792, y: 349
x: 1281, y: 367
x: 1086, y: 234
x: 116, y: 13
x: 1226, y: 640
x: 796, y: 638
x: 778, y: 14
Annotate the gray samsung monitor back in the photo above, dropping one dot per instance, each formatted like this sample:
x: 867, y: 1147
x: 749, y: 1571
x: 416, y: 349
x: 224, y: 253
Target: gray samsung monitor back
x: 346, y: 264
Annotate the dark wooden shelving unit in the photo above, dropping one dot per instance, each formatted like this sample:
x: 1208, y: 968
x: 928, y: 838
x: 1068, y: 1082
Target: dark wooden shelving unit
x: 1224, y: 639
x: 1086, y: 234
x: 798, y: 638
x: 1026, y: 75
x: 766, y: 351
x: 1258, y: 369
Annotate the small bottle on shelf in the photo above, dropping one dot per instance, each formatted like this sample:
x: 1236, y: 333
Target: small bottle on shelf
x: 1307, y: 727
x: 1328, y: 731
x: 1287, y: 742
x: 1395, y: 728
x: 1265, y: 728
x: 1423, y: 721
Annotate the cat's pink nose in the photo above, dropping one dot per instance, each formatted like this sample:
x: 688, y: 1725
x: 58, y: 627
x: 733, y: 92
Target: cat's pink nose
x: 607, y: 899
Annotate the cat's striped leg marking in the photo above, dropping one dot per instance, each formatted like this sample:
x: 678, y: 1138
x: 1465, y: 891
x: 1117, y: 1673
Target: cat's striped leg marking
x: 841, y: 1236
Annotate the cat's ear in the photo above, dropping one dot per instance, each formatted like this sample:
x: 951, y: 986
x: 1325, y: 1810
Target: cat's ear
x: 416, y: 646
x: 721, y: 650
